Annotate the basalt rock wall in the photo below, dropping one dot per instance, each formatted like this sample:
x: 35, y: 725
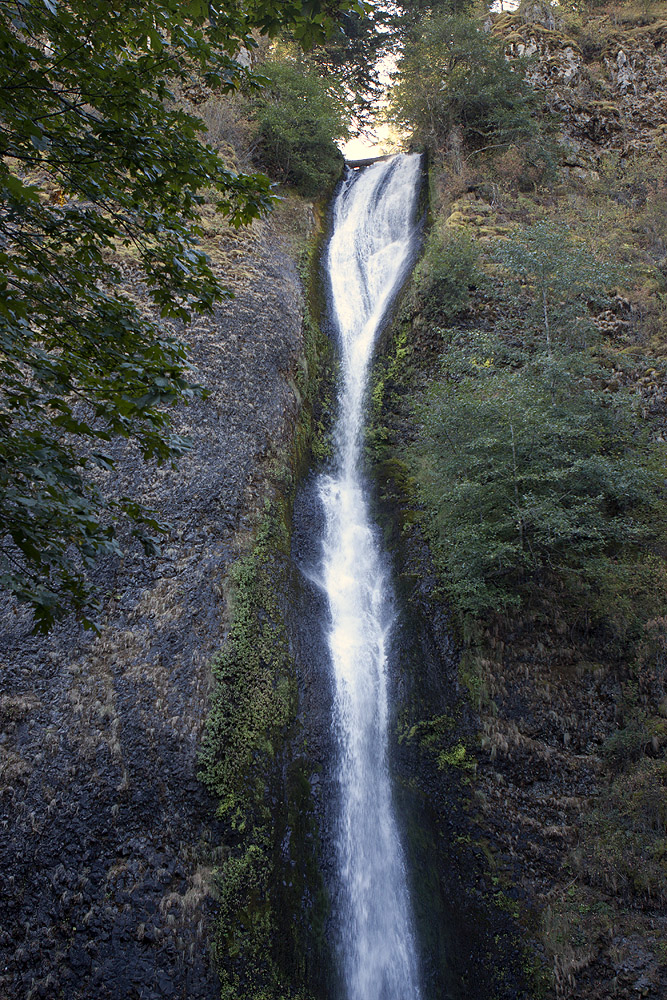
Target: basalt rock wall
x: 108, y: 839
x: 606, y: 77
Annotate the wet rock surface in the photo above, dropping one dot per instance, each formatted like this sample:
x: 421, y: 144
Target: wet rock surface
x: 469, y: 947
x: 107, y: 838
x: 308, y: 617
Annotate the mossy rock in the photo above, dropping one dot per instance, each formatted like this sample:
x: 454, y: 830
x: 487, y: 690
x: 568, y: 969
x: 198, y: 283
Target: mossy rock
x: 462, y: 204
x: 457, y: 219
x: 494, y: 232
x: 506, y: 23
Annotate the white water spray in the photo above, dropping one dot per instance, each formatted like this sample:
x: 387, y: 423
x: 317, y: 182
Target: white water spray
x: 370, y: 250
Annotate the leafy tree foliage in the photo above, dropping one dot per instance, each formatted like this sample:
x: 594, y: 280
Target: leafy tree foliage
x: 353, y: 52
x: 406, y: 17
x: 95, y: 155
x: 526, y: 470
x: 454, y: 75
x: 299, y: 114
x: 560, y: 275
x: 362, y: 38
x: 446, y: 275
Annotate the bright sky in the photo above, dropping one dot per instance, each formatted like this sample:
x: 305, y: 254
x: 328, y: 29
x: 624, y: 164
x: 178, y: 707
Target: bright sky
x: 375, y: 144
x: 382, y: 139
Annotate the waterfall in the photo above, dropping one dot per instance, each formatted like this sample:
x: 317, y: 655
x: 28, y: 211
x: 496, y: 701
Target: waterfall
x: 369, y: 254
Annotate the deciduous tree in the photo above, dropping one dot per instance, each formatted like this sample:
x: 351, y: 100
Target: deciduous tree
x: 559, y: 274
x: 96, y: 154
x: 454, y: 75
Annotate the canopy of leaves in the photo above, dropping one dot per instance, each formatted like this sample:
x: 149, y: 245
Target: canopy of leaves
x: 355, y: 49
x: 353, y: 53
x: 96, y: 155
x: 454, y: 75
x: 406, y: 17
x: 299, y: 115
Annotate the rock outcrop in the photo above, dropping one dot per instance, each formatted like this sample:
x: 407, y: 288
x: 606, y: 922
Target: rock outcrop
x: 607, y: 81
x: 107, y: 842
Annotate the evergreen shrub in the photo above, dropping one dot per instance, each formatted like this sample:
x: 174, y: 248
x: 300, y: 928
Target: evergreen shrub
x: 299, y: 116
x: 525, y: 471
x: 446, y: 274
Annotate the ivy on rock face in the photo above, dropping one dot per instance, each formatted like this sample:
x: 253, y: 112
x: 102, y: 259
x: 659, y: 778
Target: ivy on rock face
x: 96, y: 156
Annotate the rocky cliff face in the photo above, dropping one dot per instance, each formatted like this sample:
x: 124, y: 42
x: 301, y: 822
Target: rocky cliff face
x: 606, y: 78
x: 563, y: 833
x: 108, y: 840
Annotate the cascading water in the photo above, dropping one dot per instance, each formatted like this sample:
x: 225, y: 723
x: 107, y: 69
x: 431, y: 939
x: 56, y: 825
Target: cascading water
x: 370, y: 250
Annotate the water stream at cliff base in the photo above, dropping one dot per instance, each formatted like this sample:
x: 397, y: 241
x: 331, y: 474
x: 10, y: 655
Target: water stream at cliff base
x: 374, y: 232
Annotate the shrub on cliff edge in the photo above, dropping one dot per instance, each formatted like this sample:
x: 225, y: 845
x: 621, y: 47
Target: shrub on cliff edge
x: 299, y: 115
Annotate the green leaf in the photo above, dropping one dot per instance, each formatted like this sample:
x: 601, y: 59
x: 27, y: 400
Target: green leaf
x: 87, y: 106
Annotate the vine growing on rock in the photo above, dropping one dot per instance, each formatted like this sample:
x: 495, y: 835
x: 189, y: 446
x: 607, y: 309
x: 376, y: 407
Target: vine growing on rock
x: 251, y: 707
